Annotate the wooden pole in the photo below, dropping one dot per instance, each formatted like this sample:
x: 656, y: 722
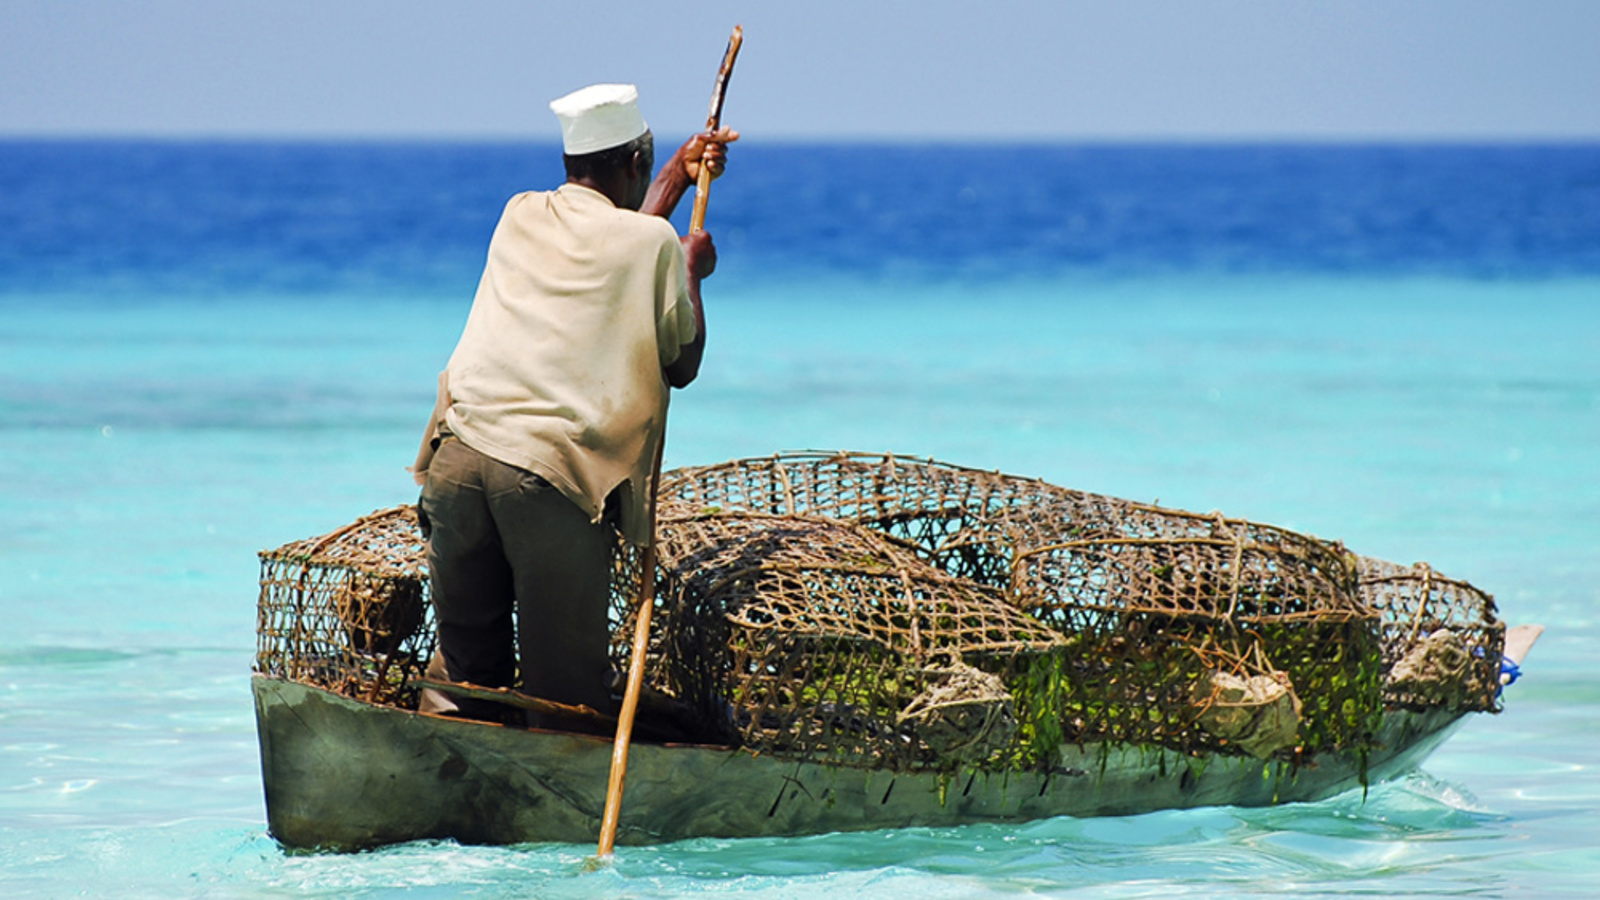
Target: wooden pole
x: 630, y: 696
x: 702, y: 187
x: 647, y: 565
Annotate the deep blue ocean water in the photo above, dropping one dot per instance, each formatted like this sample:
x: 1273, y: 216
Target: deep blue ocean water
x: 207, y: 349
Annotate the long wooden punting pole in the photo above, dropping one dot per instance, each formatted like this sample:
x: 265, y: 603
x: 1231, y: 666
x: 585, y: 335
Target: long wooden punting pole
x: 647, y: 566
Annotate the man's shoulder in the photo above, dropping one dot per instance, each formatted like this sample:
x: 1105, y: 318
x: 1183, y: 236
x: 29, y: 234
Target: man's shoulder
x: 639, y: 231
x: 539, y: 199
x: 570, y: 213
x: 524, y: 206
x: 655, y: 227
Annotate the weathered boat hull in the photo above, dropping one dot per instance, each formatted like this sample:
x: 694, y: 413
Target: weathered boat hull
x: 341, y: 774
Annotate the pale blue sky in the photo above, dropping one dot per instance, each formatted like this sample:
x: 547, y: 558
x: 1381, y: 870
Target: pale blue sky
x: 1111, y: 69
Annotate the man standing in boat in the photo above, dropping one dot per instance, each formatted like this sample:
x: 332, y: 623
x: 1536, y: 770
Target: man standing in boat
x: 554, y: 403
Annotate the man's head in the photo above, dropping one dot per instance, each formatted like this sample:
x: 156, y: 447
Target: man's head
x: 605, y: 141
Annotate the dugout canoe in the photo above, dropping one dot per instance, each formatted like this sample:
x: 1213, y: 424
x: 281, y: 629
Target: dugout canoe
x: 342, y: 774
x: 874, y: 641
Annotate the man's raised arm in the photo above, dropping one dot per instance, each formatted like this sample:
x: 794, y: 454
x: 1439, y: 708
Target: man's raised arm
x: 680, y: 172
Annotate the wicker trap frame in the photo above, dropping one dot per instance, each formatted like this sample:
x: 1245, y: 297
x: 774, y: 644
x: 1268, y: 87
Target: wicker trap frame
x: 1162, y: 604
x: 880, y: 611
x: 348, y: 611
x: 812, y: 637
x: 1441, y: 639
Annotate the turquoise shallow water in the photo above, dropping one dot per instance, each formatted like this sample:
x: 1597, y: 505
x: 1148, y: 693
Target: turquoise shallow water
x: 149, y: 447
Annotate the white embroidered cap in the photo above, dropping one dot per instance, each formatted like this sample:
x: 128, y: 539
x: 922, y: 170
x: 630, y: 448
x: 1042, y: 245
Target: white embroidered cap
x: 598, y: 117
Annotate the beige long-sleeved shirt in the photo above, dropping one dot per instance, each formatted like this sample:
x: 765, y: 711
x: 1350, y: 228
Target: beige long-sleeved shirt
x: 559, y: 368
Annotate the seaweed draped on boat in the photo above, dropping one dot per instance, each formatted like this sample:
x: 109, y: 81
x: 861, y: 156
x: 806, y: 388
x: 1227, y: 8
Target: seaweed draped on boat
x: 890, y: 613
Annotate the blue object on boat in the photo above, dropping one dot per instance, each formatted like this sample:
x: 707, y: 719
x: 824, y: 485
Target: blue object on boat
x: 1509, y: 671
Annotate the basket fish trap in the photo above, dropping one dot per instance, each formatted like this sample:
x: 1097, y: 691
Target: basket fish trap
x: 1442, y: 642
x: 348, y: 611
x: 1166, y: 607
x: 815, y: 638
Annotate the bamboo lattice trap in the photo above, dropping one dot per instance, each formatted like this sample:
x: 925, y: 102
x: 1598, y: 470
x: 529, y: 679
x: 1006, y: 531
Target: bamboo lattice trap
x: 346, y: 611
x: 893, y: 613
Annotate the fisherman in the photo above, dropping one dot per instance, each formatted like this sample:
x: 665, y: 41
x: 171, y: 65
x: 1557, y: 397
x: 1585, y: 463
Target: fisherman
x: 553, y: 407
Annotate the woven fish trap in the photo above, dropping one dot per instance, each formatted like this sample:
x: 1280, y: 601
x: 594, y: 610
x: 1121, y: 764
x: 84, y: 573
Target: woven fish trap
x: 1442, y: 641
x: 348, y: 611
x: 933, y: 520
x: 1141, y: 590
x: 813, y: 638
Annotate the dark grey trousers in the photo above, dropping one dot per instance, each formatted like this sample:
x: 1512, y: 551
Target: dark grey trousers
x: 503, y: 542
